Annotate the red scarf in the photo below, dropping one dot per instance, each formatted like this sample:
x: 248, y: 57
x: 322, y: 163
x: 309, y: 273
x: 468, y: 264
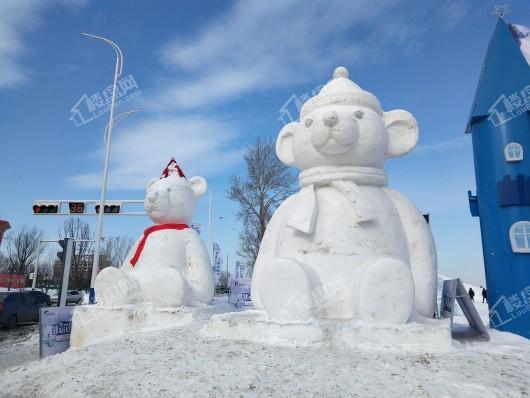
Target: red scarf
x: 147, y: 232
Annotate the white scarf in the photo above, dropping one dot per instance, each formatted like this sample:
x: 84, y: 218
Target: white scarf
x: 344, y: 179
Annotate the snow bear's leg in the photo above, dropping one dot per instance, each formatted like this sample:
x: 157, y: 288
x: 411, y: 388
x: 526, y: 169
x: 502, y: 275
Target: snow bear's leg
x: 115, y: 287
x: 386, y: 292
x: 285, y: 289
x: 165, y: 288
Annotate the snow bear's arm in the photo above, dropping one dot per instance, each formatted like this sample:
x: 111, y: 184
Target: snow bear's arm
x: 126, y: 265
x: 422, y: 253
x: 199, y: 273
x: 268, y: 248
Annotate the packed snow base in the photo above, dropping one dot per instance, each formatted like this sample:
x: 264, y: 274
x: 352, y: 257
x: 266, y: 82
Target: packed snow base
x: 180, y: 362
x: 424, y: 335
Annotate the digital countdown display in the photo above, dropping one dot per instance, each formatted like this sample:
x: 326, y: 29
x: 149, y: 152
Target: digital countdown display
x: 76, y: 207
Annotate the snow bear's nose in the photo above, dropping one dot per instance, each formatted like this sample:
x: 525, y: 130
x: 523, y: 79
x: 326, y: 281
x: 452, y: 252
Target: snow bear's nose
x: 330, y: 118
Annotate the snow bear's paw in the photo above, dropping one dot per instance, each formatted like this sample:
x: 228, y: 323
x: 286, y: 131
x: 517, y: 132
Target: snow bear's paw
x: 386, y: 293
x: 286, y: 290
x: 165, y: 288
x: 115, y: 288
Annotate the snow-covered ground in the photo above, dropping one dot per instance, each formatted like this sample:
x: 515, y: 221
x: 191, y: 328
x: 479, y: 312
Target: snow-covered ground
x: 179, y: 362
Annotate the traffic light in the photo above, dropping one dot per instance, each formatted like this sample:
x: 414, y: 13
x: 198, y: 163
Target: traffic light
x: 45, y: 208
x: 65, y: 255
x: 111, y: 208
x: 62, y: 254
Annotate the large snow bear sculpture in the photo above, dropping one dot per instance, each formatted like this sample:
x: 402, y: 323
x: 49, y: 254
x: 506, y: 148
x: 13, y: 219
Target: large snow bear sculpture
x: 169, y: 265
x: 346, y: 246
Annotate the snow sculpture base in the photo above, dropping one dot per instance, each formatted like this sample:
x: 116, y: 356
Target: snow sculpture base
x: 91, y: 323
x: 427, y: 335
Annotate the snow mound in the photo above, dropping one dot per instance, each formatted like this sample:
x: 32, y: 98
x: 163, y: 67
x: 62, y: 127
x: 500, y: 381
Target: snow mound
x: 179, y: 362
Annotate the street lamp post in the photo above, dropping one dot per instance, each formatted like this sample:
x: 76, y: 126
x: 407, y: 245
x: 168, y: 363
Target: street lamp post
x: 108, y: 139
x: 36, y: 267
x: 210, y: 243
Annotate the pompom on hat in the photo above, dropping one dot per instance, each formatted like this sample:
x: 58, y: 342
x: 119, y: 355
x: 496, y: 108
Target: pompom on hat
x: 341, y: 91
x: 172, y: 168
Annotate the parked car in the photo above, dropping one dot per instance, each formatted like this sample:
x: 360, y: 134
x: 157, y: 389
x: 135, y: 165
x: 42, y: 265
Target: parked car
x: 40, y: 297
x: 18, y: 307
x: 74, y: 297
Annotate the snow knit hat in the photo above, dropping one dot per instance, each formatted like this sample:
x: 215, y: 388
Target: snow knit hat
x: 341, y: 91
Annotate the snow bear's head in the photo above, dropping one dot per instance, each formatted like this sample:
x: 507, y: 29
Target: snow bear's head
x: 345, y: 126
x: 173, y: 199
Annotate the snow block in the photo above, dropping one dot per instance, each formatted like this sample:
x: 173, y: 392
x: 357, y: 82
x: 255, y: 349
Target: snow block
x: 424, y: 335
x: 432, y: 336
x: 256, y: 326
x: 92, y: 323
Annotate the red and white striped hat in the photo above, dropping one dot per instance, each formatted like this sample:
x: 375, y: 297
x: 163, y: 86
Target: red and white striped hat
x: 172, y: 167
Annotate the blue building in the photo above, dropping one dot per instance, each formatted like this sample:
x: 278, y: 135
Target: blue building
x: 500, y: 127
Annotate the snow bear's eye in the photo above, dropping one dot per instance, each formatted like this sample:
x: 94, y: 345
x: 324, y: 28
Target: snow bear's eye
x: 358, y: 114
x: 308, y: 122
x: 168, y: 189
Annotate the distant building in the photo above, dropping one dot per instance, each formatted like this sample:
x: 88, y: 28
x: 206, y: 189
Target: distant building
x: 84, y: 266
x: 4, y: 226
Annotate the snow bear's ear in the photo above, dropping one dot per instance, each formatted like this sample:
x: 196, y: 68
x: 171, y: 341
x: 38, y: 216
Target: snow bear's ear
x: 285, y: 143
x: 151, y: 182
x: 198, y: 185
x: 402, y: 131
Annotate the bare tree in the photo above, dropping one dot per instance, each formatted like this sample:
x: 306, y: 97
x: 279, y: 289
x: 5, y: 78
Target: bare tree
x: 23, y: 248
x: 116, y: 249
x: 223, y: 280
x: 45, y: 277
x: 4, y: 263
x: 267, y: 184
x: 82, y: 251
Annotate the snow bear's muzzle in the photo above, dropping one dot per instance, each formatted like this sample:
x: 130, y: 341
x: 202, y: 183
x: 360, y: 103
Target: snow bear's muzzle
x: 336, y: 136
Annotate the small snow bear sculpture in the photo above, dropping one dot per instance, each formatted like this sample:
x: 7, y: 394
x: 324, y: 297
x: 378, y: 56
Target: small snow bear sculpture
x: 346, y: 246
x: 169, y: 265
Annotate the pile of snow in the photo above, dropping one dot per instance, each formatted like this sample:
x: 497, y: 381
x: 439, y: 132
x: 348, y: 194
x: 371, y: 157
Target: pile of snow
x: 179, y: 361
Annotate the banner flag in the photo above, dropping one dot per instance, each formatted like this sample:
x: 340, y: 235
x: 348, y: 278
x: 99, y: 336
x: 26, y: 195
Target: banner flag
x: 217, y: 263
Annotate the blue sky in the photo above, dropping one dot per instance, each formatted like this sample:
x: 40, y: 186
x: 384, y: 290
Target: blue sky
x: 213, y: 76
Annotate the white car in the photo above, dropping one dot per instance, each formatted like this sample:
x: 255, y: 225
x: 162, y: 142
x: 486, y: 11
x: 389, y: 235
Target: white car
x: 74, y: 297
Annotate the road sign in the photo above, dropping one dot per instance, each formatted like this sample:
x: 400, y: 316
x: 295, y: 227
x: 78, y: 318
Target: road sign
x: 55, y: 327
x: 452, y: 290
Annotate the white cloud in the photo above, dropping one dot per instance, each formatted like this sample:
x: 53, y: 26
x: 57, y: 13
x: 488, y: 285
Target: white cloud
x: 260, y: 45
x: 17, y: 19
x: 451, y: 13
x: 267, y: 44
x: 200, y: 146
